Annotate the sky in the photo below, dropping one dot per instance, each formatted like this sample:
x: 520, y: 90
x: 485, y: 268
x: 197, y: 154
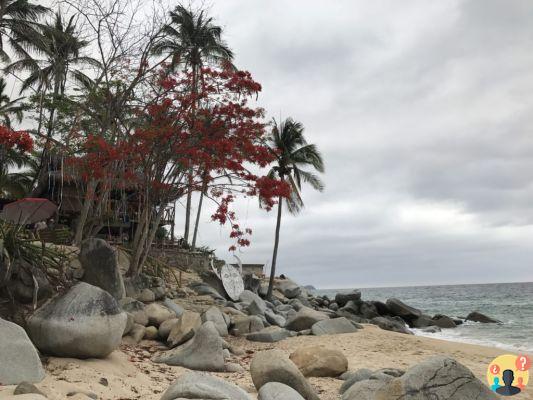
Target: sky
x: 423, y: 113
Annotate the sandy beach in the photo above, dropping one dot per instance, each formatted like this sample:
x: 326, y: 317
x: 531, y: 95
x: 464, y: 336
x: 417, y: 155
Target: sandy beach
x: 131, y: 375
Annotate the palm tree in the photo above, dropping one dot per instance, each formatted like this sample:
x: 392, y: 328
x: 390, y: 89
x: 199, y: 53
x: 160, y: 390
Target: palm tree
x: 13, y: 184
x: 58, y: 48
x: 9, y: 108
x: 193, y: 40
x: 17, y: 19
x: 293, y: 154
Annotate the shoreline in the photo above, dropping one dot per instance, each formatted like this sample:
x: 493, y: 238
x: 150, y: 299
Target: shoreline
x: 131, y: 374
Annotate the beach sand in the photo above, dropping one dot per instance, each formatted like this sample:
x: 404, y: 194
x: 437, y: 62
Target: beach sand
x: 131, y: 375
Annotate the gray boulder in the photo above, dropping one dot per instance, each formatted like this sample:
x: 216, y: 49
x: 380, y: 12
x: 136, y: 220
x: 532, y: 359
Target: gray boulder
x: 269, y: 335
x: 158, y: 313
x: 275, y: 366
x: 319, y: 361
x: 342, y: 298
x: 400, y: 309
x: 366, y: 390
x: 256, y: 308
x: 333, y: 327
x: 194, y: 385
x: 443, y: 321
x: 19, y: 360
x: 243, y: 325
x: 85, y: 322
x: 423, y: 321
x: 389, y: 324
x: 352, y: 377
x: 172, y: 305
x: 476, y: 316
x: 188, y: 323
x: 166, y: 327
x: 436, y: 378
x: 288, y: 288
x: 275, y: 319
x: 100, y: 262
x: 216, y: 316
x: 278, y: 391
x: 247, y: 297
x: 305, y: 318
x: 203, y: 289
x: 204, y: 352
x: 146, y: 296
x: 26, y: 388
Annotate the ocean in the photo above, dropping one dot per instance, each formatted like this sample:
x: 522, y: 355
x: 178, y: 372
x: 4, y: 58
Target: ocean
x: 511, y: 303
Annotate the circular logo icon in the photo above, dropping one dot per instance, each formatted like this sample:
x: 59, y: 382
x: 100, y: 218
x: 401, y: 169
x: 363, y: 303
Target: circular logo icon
x: 508, y: 375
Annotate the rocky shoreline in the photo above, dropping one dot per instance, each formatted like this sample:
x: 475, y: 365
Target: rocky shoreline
x: 196, y: 327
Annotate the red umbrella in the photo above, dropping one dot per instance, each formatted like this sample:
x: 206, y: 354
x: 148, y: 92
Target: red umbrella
x: 28, y: 211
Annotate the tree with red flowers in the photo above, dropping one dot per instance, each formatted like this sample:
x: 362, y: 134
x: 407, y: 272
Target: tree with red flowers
x: 14, y: 146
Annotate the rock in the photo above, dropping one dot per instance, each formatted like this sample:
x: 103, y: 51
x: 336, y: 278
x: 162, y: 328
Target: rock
x: 423, y: 321
x: 256, y: 308
x: 193, y: 385
x: 342, y: 298
x: 159, y: 292
x: 390, y: 325
x: 247, y: 297
x: 443, y: 321
x: 204, y: 352
x: 394, y: 372
x: 305, y: 318
x: 368, y: 310
x: 150, y: 333
x: 166, y: 327
x: 100, y: 262
x: 400, y: 309
x: 247, y: 324
x: 288, y: 288
x: 436, y: 378
x: 172, y: 305
x: 130, y: 321
x: 381, y: 308
x: 234, y: 367
x: 269, y: 335
x: 333, y: 306
x: 157, y: 314
x: 251, y: 282
x: 135, y: 308
x: 27, y: 388
x: 352, y: 377
x: 476, y: 316
x: 146, y: 296
x: 366, y: 390
x: 431, y: 329
x: 319, y: 361
x: 275, y: 319
x: 274, y: 366
x: 203, y: 289
x: 188, y: 323
x: 214, y: 315
x: 278, y: 391
x: 333, y: 327
x: 85, y: 322
x: 24, y: 286
x: 137, y: 333
x: 19, y: 360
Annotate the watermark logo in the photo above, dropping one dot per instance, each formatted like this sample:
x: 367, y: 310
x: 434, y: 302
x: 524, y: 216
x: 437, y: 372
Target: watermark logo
x: 508, y: 375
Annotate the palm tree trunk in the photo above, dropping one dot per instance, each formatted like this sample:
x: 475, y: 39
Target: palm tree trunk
x: 275, y: 255
x: 195, y: 235
x: 188, y: 211
x: 87, y: 203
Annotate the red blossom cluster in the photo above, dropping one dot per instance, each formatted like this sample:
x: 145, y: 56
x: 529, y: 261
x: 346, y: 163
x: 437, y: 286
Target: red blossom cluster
x: 18, y: 140
x: 187, y: 138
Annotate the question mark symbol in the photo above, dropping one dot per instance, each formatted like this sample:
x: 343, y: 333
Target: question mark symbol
x: 523, y: 363
x: 495, y: 369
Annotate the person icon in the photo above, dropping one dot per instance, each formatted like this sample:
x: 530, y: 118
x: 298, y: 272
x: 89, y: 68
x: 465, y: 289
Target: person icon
x: 508, y: 389
x: 520, y: 383
x: 496, y: 385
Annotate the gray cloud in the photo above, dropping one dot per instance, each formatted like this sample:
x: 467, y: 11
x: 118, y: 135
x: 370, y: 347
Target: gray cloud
x: 423, y: 113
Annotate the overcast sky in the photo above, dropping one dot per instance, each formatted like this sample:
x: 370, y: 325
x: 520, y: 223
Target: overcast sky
x: 423, y: 112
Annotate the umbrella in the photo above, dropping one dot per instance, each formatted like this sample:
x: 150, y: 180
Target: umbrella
x: 28, y: 211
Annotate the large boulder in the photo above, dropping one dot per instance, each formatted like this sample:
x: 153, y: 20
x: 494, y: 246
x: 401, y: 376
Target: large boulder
x: 100, y: 262
x: 158, y: 313
x: 85, y: 322
x: 271, y: 334
x: 275, y: 366
x: 216, y: 316
x: 402, y: 310
x: 436, y: 378
x: 342, y: 298
x: 476, y: 316
x: 243, y: 325
x: 278, y: 391
x: 188, y: 323
x: 166, y: 327
x: 288, y: 288
x: 443, y: 321
x: 366, y: 390
x: 194, y: 385
x: 333, y: 327
x: 389, y: 324
x: 319, y: 361
x: 423, y: 321
x: 275, y: 319
x: 19, y: 360
x: 248, y: 297
x: 305, y: 318
x: 204, y: 352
